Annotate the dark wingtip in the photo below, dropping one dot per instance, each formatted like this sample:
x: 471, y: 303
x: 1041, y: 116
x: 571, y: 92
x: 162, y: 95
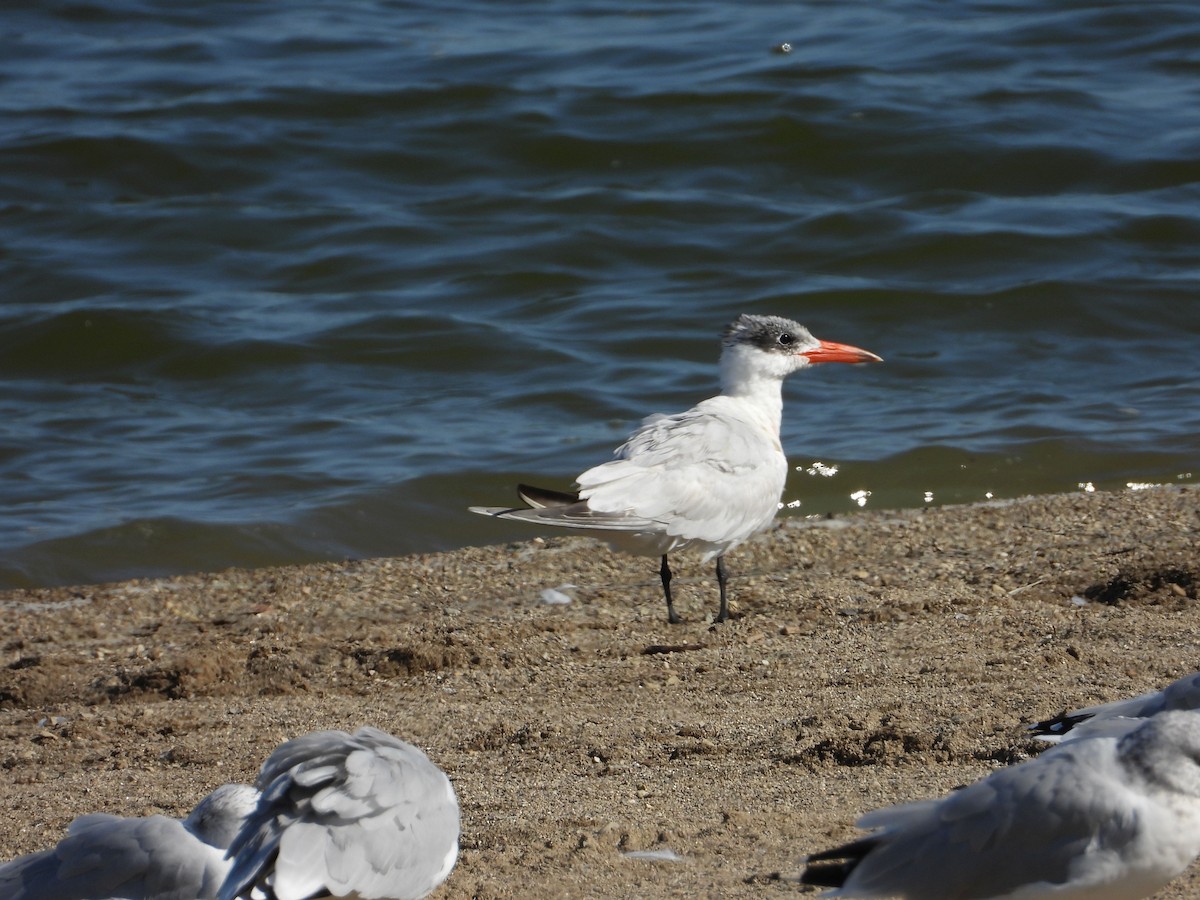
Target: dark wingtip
x: 828, y: 875
x: 542, y: 497
x: 835, y: 865
x: 1059, y: 724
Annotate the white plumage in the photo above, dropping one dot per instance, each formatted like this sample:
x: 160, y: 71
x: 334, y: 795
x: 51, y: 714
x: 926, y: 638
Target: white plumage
x: 705, y: 479
x: 158, y: 857
x: 1106, y: 818
x: 363, y: 815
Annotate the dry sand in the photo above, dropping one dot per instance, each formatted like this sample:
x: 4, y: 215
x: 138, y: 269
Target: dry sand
x: 871, y: 659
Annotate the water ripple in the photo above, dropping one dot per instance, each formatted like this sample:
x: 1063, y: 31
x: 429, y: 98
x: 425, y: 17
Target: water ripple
x: 290, y: 283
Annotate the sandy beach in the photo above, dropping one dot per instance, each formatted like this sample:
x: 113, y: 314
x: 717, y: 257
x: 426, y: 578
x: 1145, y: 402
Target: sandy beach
x: 871, y: 659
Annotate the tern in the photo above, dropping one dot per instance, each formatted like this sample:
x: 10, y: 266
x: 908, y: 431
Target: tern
x: 156, y: 856
x: 362, y: 815
x: 705, y: 479
x: 1103, y: 818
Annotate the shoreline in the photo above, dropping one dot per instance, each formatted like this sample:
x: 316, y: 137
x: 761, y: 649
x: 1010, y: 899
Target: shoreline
x: 873, y: 658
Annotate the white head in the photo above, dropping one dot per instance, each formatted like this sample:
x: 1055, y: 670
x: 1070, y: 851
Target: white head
x: 769, y: 348
x: 217, y: 818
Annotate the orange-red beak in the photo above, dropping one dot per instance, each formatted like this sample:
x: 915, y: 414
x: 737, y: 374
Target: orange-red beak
x: 828, y: 351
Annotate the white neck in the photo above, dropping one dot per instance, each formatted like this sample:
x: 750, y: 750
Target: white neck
x: 756, y: 380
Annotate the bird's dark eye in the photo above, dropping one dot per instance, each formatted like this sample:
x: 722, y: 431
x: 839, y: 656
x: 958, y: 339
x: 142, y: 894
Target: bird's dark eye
x: 786, y: 339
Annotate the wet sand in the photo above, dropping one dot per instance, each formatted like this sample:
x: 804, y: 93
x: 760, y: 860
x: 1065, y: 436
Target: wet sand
x: 872, y: 659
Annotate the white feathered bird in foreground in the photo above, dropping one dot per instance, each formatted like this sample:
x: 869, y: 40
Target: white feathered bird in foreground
x: 1102, y: 818
x: 158, y: 857
x: 705, y: 479
x: 364, y: 815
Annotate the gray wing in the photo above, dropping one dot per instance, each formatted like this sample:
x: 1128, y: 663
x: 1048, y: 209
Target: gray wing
x: 106, y: 856
x: 577, y: 516
x: 1183, y: 693
x: 1108, y: 726
x: 699, y: 475
x: 565, y: 510
x: 1028, y: 825
x: 366, y: 814
x: 705, y: 472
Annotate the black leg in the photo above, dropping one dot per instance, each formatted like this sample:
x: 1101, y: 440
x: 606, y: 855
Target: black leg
x: 724, y: 613
x: 665, y: 573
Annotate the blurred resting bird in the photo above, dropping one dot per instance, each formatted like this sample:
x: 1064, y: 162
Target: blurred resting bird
x: 364, y: 815
x: 106, y: 856
x: 1107, y: 817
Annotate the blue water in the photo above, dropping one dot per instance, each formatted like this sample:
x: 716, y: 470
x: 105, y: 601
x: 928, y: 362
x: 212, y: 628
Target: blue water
x: 289, y: 282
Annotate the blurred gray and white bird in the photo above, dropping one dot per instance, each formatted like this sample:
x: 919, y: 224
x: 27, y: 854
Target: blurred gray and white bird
x: 705, y: 479
x: 106, y: 856
x: 1107, y: 818
x: 1091, y: 720
x: 364, y: 815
